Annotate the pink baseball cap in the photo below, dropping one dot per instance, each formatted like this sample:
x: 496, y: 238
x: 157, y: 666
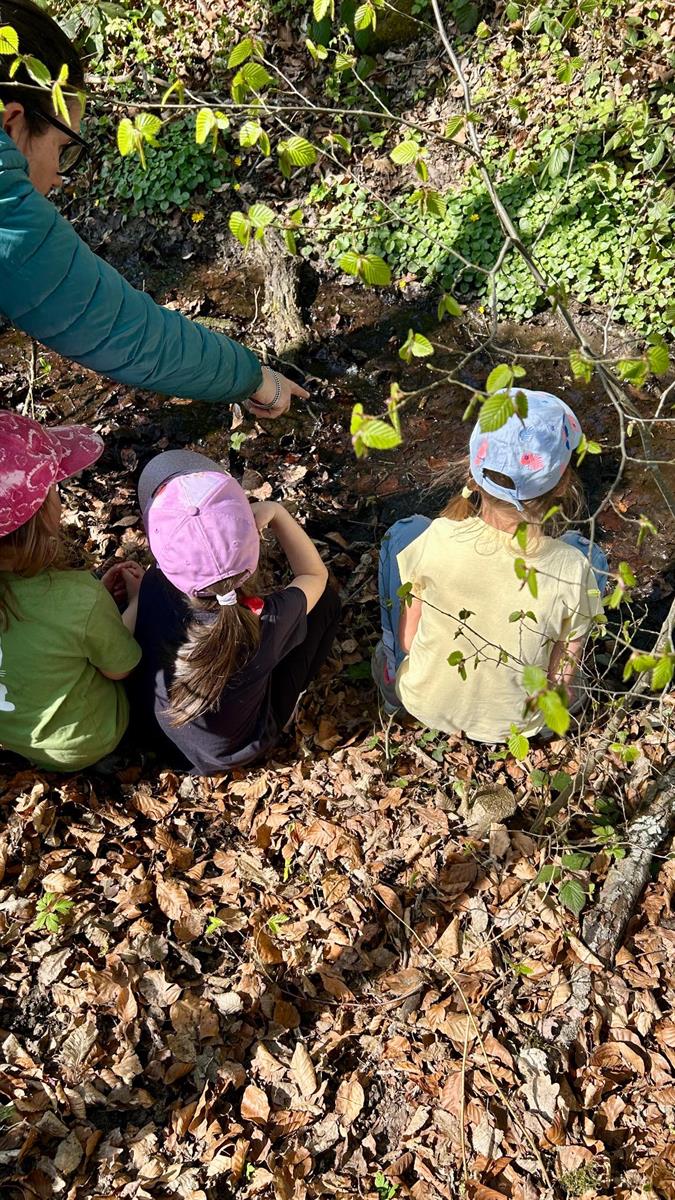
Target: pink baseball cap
x: 32, y: 458
x: 198, y: 520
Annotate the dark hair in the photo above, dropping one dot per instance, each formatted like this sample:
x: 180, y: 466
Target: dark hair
x: 32, y: 548
x: 212, y: 652
x: 41, y: 37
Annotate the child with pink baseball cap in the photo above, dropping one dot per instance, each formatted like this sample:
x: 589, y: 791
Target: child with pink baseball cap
x: 63, y: 644
x: 223, y: 669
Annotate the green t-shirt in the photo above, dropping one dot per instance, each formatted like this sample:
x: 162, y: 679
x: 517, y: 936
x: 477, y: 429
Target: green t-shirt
x: 56, y: 708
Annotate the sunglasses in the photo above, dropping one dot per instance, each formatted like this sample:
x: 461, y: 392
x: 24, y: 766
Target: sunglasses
x: 70, y: 156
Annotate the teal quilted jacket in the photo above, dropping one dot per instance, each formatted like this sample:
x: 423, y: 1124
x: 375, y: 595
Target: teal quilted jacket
x: 56, y: 289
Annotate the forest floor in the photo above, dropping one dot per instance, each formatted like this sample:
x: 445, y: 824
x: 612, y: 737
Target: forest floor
x: 325, y: 976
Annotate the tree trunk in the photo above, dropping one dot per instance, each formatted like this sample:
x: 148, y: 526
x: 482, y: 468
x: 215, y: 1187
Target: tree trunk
x: 280, y: 307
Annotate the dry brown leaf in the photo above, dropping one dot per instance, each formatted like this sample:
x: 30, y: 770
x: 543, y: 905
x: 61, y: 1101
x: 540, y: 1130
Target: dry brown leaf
x: 239, y: 1158
x: 303, y: 1071
x: 286, y: 1014
x: 78, y: 1044
x: 149, y: 805
x: 349, y: 1100
x: 255, y: 1106
x: 173, y: 899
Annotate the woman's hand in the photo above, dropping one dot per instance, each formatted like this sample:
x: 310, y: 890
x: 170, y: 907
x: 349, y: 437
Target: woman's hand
x: 273, y: 397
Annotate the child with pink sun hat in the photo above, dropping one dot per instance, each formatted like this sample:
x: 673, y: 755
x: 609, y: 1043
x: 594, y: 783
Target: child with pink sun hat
x: 63, y: 645
x: 459, y: 622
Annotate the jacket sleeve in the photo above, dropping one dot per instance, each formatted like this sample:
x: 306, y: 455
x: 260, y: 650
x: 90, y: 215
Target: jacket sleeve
x: 57, y: 290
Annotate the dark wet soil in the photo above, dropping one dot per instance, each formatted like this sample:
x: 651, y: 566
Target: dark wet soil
x: 352, y: 355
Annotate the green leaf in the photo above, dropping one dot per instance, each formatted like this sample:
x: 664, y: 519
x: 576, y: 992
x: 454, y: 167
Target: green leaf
x: 59, y: 103
x: 577, y: 860
x: 291, y: 243
x: 585, y: 447
x: 204, y: 124
x: 548, y: 873
x: 317, y: 51
x: 455, y: 658
x: 261, y: 216
x: 662, y: 673
x: 252, y: 77
x: 375, y: 270
x: 405, y: 152
x: 559, y: 156
x: 534, y: 679
x: 9, y: 40
x: 240, y: 52
x: 499, y: 379
x: 37, y: 70
x: 178, y: 87
x: 415, y: 346
x: 337, y: 139
x: 572, y: 896
x: 377, y: 434
x: 364, y: 16
x: 521, y: 535
x: 627, y: 575
x: 240, y: 226
x: 582, y: 368
x: 518, y: 744
x: 300, y: 152
x: 349, y: 263
x: 495, y: 412
x: 148, y: 126
x: 126, y: 137
x: 321, y: 8
x: 249, y: 133
x: 632, y: 370
x: 532, y: 583
x: 554, y: 712
x: 657, y: 356
x: 448, y: 304
x: 454, y: 125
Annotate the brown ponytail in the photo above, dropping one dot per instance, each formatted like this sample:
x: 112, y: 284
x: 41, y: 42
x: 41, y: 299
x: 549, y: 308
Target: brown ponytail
x: 567, y: 495
x: 212, y: 652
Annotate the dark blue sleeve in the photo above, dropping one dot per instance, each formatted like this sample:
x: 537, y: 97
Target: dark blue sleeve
x: 57, y: 290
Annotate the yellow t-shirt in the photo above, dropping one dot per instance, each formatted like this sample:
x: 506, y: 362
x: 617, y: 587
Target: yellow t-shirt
x: 469, y: 566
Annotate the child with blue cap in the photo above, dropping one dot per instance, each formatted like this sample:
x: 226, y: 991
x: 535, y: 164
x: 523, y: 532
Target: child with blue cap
x: 467, y: 603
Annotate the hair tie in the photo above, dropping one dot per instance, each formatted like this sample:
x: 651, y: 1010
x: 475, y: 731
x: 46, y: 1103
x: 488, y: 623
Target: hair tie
x: 467, y: 492
x: 227, y: 599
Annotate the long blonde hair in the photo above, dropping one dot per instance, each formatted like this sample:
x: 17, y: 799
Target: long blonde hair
x: 212, y: 650
x: 567, y: 496
x: 34, y: 547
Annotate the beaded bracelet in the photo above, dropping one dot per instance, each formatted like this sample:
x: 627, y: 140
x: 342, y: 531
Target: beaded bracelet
x: 277, y: 393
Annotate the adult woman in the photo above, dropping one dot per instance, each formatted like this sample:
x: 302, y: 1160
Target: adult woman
x: 54, y: 287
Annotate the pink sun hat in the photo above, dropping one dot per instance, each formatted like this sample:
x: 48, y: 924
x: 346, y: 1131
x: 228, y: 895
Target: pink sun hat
x: 199, y: 522
x: 33, y: 458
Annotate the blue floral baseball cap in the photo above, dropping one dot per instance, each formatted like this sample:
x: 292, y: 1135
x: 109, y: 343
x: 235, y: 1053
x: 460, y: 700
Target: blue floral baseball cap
x: 534, y: 451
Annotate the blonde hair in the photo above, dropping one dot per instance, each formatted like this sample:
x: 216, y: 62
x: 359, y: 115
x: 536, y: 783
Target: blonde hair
x: 31, y: 549
x: 567, y: 495
x: 212, y: 651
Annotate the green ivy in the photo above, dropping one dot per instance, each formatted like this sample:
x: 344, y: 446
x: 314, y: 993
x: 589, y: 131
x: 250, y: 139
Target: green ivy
x: 176, y: 169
